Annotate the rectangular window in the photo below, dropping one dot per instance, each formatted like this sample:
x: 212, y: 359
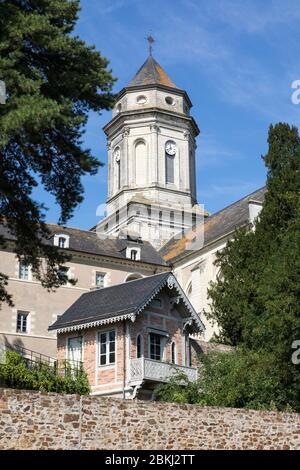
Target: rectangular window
x: 61, y: 242
x: 65, y: 271
x: 169, y: 168
x: 75, y: 350
x: 23, y: 270
x: 99, y: 279
x: 160, y: 216
x: 107, y: 347
x: 172, y: 219
x: 22, y: 322
x: 156, y: 346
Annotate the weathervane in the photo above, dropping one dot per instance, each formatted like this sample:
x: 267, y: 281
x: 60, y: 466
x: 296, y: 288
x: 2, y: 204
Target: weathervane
x: 150, y: 41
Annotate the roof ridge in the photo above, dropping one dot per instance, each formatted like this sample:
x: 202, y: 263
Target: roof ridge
x: 210, y: 217
x: 233, y: 203
x: 123, y: 283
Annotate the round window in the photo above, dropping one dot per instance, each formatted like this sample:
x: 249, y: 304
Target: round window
x: 170, y: 100
x: 141, y: 99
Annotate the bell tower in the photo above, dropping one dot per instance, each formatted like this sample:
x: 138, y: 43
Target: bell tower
x: 151, y: 158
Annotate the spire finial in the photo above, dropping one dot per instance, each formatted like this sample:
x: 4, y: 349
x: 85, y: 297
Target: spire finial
x: 150, y: 41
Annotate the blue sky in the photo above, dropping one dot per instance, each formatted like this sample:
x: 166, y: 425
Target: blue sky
x: 235, y: 58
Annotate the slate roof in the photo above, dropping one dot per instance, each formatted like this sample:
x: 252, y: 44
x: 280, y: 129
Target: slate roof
x: 151, y: 73
x: 215, y: 226
x: 116, y: 302
x: 88, y: 242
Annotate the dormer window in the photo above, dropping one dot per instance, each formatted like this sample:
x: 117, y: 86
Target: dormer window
x: 61, y: 240
x: 133, y: 253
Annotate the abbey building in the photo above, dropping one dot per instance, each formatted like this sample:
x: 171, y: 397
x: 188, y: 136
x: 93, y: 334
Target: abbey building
x: 140, y: 300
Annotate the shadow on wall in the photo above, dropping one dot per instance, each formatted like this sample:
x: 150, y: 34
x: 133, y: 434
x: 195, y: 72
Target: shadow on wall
x: 199, y: 347
x: 16, y: 343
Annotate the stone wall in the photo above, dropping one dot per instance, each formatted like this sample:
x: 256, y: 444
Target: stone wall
x: 33, y: 420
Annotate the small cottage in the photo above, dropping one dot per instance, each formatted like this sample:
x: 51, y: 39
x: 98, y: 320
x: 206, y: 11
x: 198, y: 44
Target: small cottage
x: 130, y: 337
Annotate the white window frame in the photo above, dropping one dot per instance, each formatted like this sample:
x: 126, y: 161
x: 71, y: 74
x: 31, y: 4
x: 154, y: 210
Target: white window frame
x: 68, y: 272
x: 23, y: 313
x: 103, y: 276
x: 163, y: 341
x: 175, y: 353
x: 69, y: 338
x: 129, y: 249
x: 22, y: 264
x: 62, y: 242
x: 108, y: 351
x: 57, y: 236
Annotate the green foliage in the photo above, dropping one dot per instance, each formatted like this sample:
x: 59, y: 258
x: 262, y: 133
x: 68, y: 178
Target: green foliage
x: 256, y: 298
x: 15, y: 373
x: 53, y: 80
x: 239, y: 379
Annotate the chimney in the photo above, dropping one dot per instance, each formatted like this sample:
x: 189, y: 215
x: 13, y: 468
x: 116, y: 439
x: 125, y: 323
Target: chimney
x: 254, y: 209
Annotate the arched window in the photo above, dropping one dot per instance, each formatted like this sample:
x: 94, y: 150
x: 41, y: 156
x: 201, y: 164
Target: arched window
x: 133, y: 277
x: 141, y: 166
x: 118, y: 174
x: 173, y: 351
x: 139, y: 346
x: 117, y: 156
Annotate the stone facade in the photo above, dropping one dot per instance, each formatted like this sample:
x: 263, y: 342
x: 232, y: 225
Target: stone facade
x: 150, y: 113
x: 33, y: 420
x: 44, y: 307
x: 146, y: 118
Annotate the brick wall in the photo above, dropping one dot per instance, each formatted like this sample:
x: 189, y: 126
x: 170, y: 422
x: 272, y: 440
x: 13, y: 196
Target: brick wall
x: 109, y: 378
x: 33, y: 420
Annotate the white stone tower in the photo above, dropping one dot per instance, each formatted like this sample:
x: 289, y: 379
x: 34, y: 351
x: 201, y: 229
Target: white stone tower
x: 151, y: 159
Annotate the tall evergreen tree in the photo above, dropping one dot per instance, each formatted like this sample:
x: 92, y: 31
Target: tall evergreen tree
x: 53, y: 79
x: 256, y: 300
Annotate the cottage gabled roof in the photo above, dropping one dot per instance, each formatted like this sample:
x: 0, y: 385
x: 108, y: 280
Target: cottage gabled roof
x: 151, y: 73
x: 120, y: 302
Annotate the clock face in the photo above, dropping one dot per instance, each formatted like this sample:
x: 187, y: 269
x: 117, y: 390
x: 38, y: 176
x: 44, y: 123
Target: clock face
x: 117, y: 154
x: 170, y: 148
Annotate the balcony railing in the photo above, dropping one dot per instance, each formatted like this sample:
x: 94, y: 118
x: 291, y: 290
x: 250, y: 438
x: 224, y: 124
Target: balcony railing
x: 148, y: 369
x: 35, y: 361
